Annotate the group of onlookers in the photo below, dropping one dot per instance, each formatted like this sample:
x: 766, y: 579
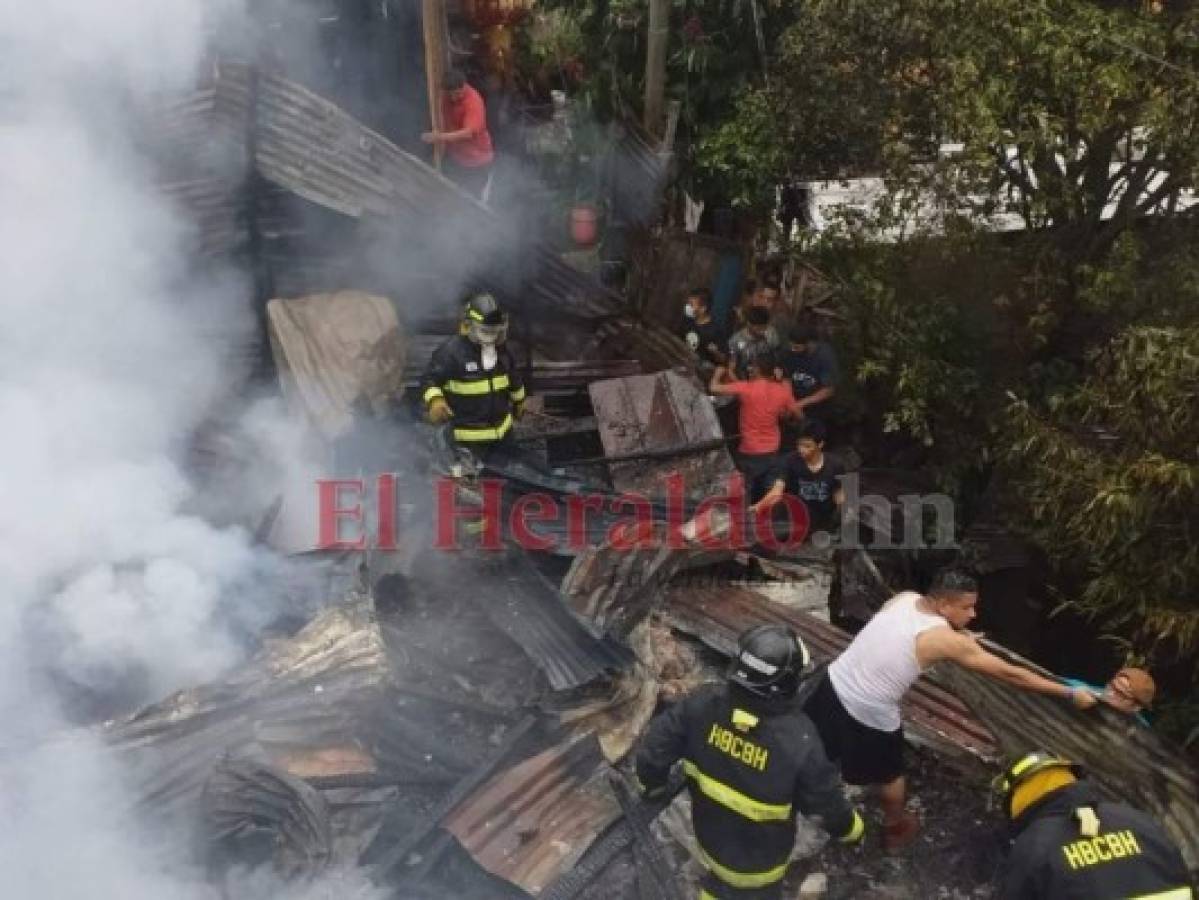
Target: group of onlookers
x: 784, y: 378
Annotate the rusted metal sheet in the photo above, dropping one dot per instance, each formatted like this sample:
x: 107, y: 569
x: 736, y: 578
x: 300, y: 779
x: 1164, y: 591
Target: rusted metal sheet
x: 660, y: 412
x: 532, y: 823
x: 655, y: 347
x: 1128, y: 761
x: 614, y: 587
x: 717, y: 615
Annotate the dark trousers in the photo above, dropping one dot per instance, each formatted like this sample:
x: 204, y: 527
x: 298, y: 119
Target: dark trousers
x: 472, y: 179
x: 760, y: 471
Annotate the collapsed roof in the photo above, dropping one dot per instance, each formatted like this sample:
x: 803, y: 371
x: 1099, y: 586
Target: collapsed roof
x: 388, y: 724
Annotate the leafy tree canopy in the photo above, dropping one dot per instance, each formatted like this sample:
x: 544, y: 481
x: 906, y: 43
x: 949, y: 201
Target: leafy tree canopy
x: 1110, y: 476
x: 1074, y: 115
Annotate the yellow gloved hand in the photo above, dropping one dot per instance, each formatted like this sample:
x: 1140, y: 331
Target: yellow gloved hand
x: 439, y: 411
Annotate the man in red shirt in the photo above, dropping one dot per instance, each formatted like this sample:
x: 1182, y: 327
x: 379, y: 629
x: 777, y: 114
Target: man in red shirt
x: 466, y: 138
x: 763, y: 402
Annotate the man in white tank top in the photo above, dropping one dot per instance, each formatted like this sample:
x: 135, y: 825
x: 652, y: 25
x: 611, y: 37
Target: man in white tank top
x: 856, y: 709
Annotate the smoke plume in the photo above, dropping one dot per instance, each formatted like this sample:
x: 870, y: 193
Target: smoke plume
x: 112, y: 351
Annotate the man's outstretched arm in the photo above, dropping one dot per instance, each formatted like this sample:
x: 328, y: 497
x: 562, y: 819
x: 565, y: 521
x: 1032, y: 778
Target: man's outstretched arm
x: 944, y: 643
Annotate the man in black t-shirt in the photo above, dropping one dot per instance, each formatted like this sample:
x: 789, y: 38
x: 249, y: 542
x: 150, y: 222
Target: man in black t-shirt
x: 811, y: 476
x: 811, y: 367
x: 702, y: 334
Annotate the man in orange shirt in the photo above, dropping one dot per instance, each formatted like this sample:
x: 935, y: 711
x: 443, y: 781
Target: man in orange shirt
x: 763, y: 401
x: 466, y: 138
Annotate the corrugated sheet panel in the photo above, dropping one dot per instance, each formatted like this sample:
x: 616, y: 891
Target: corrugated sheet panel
x: 717, y: 615
x: 534, y: 821
x: 323, y: 694
x: 615, y: 587
x: 521, y: 603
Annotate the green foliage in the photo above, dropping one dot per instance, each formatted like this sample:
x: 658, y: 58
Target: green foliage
x: 554, y: 39
x: 713, y: 54
x: 915, y: 328
x: 1042, y: 98
x: 837, y: 103
x: 742, y: 159
x: 1108, y: 473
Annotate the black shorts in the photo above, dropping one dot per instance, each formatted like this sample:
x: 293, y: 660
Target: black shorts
x: 866, y: 755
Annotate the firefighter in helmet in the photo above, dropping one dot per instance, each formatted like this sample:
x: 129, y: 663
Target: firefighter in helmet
x: 753, y: 760
x: 472, y: 380
x: 1070, y: 843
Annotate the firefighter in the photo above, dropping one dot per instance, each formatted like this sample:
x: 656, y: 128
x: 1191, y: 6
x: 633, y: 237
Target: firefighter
x: 752, y: 761
x: 1071, y: 844
x: 472, y: 380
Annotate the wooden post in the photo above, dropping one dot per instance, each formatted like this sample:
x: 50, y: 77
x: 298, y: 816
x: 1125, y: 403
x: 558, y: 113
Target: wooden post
x: 433, y: 20
x: 673, y: 109
x: 655, y: 64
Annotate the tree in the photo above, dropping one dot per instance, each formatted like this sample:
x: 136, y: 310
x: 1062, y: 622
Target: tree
x: 1109, y: 478
x: 1079, y: 117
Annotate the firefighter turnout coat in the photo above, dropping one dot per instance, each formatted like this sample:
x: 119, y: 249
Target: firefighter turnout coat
x: 1062, y: 853
x: 749, y: 770
x: 483, y: 401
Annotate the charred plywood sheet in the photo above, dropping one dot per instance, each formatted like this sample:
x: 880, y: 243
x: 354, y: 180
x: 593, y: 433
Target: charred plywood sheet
x: 661, y: 412
x: 532, y: 823
x: 717, y: 615
x: 1128, y: 761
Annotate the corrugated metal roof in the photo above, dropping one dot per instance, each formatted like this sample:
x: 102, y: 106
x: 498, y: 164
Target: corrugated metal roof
x: 321, y: 155
x: 614, y: 588
x: 718, y: 614
x: 321, y: 698
x: 1129, y: 761
x: 520, y: 602
x: 533, y: 822
x: 314, y: 149
x: 637, y: 169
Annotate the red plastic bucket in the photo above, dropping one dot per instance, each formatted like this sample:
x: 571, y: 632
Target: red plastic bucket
x: 584, y: 225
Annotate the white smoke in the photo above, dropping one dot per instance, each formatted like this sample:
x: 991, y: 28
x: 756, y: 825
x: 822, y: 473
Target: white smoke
x: 112, y: 351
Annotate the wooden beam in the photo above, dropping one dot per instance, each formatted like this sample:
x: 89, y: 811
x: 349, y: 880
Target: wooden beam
x: 433, y: 20
x: 673, y: 109
x: 655, y: 65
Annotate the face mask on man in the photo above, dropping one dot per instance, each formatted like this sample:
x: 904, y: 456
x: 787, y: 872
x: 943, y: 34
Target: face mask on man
x: 689, y: 311
x: 490, y: 357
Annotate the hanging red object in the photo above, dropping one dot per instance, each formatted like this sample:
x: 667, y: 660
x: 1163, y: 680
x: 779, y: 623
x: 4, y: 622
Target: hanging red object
x: 584, y: 225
